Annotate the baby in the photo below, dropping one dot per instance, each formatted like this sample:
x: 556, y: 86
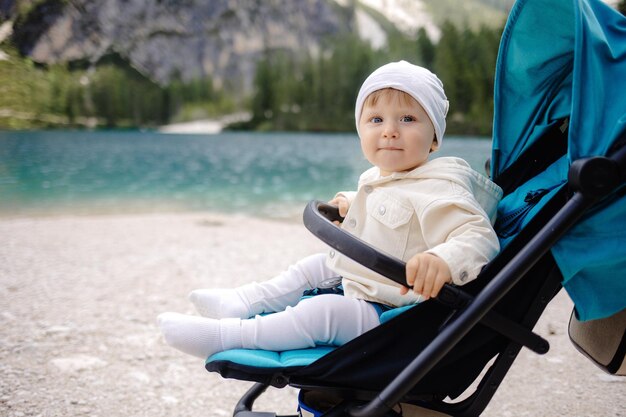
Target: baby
x: 435, y: 215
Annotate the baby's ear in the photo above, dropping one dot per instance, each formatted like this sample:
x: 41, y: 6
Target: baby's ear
x: 435, y: 145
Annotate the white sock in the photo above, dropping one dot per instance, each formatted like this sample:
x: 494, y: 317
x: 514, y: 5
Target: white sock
x: 220, y: 303
x: 269, y: 296
x: 200, y: 336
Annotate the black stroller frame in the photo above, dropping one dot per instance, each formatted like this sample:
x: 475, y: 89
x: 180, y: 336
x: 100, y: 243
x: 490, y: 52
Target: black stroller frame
x: 590, y: 180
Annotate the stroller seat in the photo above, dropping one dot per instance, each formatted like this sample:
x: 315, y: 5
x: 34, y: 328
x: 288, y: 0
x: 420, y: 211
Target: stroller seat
x: 267, y: 359
x: 275, y: 363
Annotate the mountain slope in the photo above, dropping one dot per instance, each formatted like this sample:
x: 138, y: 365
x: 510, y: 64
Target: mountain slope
x: 177, y: 39
x: 190, y: 39
x: 409, y: 16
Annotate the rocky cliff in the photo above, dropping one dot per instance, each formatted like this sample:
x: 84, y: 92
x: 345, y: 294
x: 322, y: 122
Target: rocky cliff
x: 188, y: 39
x: 185, y: 39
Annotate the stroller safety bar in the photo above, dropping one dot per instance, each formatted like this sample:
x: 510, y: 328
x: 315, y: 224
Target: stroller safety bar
x: 318, y: 217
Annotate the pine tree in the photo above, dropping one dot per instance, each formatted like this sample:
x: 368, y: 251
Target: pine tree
x: 426, y: 48
x: 263, y: 100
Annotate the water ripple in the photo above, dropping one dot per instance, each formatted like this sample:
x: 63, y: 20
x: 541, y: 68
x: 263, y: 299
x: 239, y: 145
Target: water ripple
x: 242, y: 172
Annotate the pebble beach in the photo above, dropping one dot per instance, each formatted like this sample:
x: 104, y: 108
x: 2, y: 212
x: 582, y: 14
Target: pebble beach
x: 79, y: 296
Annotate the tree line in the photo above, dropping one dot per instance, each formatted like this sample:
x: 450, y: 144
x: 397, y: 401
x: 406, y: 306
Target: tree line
x: 318, y: 93
x: 111, y: 94
x: 291, y: 91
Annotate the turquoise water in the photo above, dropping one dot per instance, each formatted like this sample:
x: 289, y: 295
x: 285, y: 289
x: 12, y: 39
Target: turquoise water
x: 265, y: 174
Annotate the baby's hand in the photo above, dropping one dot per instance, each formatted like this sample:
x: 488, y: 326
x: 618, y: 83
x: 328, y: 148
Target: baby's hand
x: 342, y: 204
x: 426, y: 273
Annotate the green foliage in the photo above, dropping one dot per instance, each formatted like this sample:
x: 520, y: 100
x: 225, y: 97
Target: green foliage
x: 112, y: 94
x: 465, y: 62
x: 29, y: 96
x: 314, y: 92
x: 196, y: 99
x: 310, y: 93
x: 318, y: 93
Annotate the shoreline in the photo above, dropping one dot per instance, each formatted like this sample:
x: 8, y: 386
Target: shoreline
x: 290, y: 214
x: 205, y: 126
x: 80, y: 296
x: 292, y: 217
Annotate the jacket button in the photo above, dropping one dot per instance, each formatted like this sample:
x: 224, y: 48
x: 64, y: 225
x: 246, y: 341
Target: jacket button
x: 331, y: 253
x: 368, y: 189
x: 382, y: 210
x: 463, y: 276
x: 352, y: 223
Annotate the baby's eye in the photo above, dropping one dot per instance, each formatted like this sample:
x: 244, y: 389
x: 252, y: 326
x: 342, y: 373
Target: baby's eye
x: 376, y: 119
x: 407, y: 118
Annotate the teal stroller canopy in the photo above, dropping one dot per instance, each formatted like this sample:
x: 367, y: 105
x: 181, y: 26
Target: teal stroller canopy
x: 566, y: 60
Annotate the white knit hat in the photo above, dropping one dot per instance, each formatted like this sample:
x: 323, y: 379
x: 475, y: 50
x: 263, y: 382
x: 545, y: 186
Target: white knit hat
x: 418, y: 82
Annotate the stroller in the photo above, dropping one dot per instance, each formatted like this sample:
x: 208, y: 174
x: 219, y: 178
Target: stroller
x: 559, y: 153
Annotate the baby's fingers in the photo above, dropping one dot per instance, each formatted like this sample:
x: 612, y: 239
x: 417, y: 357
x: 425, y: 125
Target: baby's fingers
x: 413, y: 273
x: 441, y: 279
x: 343, y: 207
x: 429, y: 283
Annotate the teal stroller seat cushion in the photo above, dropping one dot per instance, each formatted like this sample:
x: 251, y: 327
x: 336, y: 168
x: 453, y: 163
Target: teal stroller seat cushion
x: 289, y: 359
x: 269, y: 359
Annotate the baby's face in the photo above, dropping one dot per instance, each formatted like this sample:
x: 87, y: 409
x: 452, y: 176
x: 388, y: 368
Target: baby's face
x: 396, y: 135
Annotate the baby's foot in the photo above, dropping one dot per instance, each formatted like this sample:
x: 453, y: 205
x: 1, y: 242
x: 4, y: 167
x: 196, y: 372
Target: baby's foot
x: 220, y: 303
x: 200, y: 336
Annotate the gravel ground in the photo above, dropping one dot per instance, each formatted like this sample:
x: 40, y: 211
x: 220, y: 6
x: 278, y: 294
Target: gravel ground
x: 79, y: 296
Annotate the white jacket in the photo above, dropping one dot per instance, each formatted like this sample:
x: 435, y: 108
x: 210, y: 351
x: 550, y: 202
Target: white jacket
x: 442, y: 207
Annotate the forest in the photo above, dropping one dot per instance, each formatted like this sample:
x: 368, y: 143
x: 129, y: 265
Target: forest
x: 318, y: 94
x: 292, y: 92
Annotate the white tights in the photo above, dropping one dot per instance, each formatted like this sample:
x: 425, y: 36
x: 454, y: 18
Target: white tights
x: 296, y: 324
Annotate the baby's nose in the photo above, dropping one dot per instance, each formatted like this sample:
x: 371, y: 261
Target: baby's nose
x: 390, y: 131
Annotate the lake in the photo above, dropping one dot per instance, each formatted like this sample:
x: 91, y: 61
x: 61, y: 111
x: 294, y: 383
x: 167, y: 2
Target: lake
x: 261, y: 174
